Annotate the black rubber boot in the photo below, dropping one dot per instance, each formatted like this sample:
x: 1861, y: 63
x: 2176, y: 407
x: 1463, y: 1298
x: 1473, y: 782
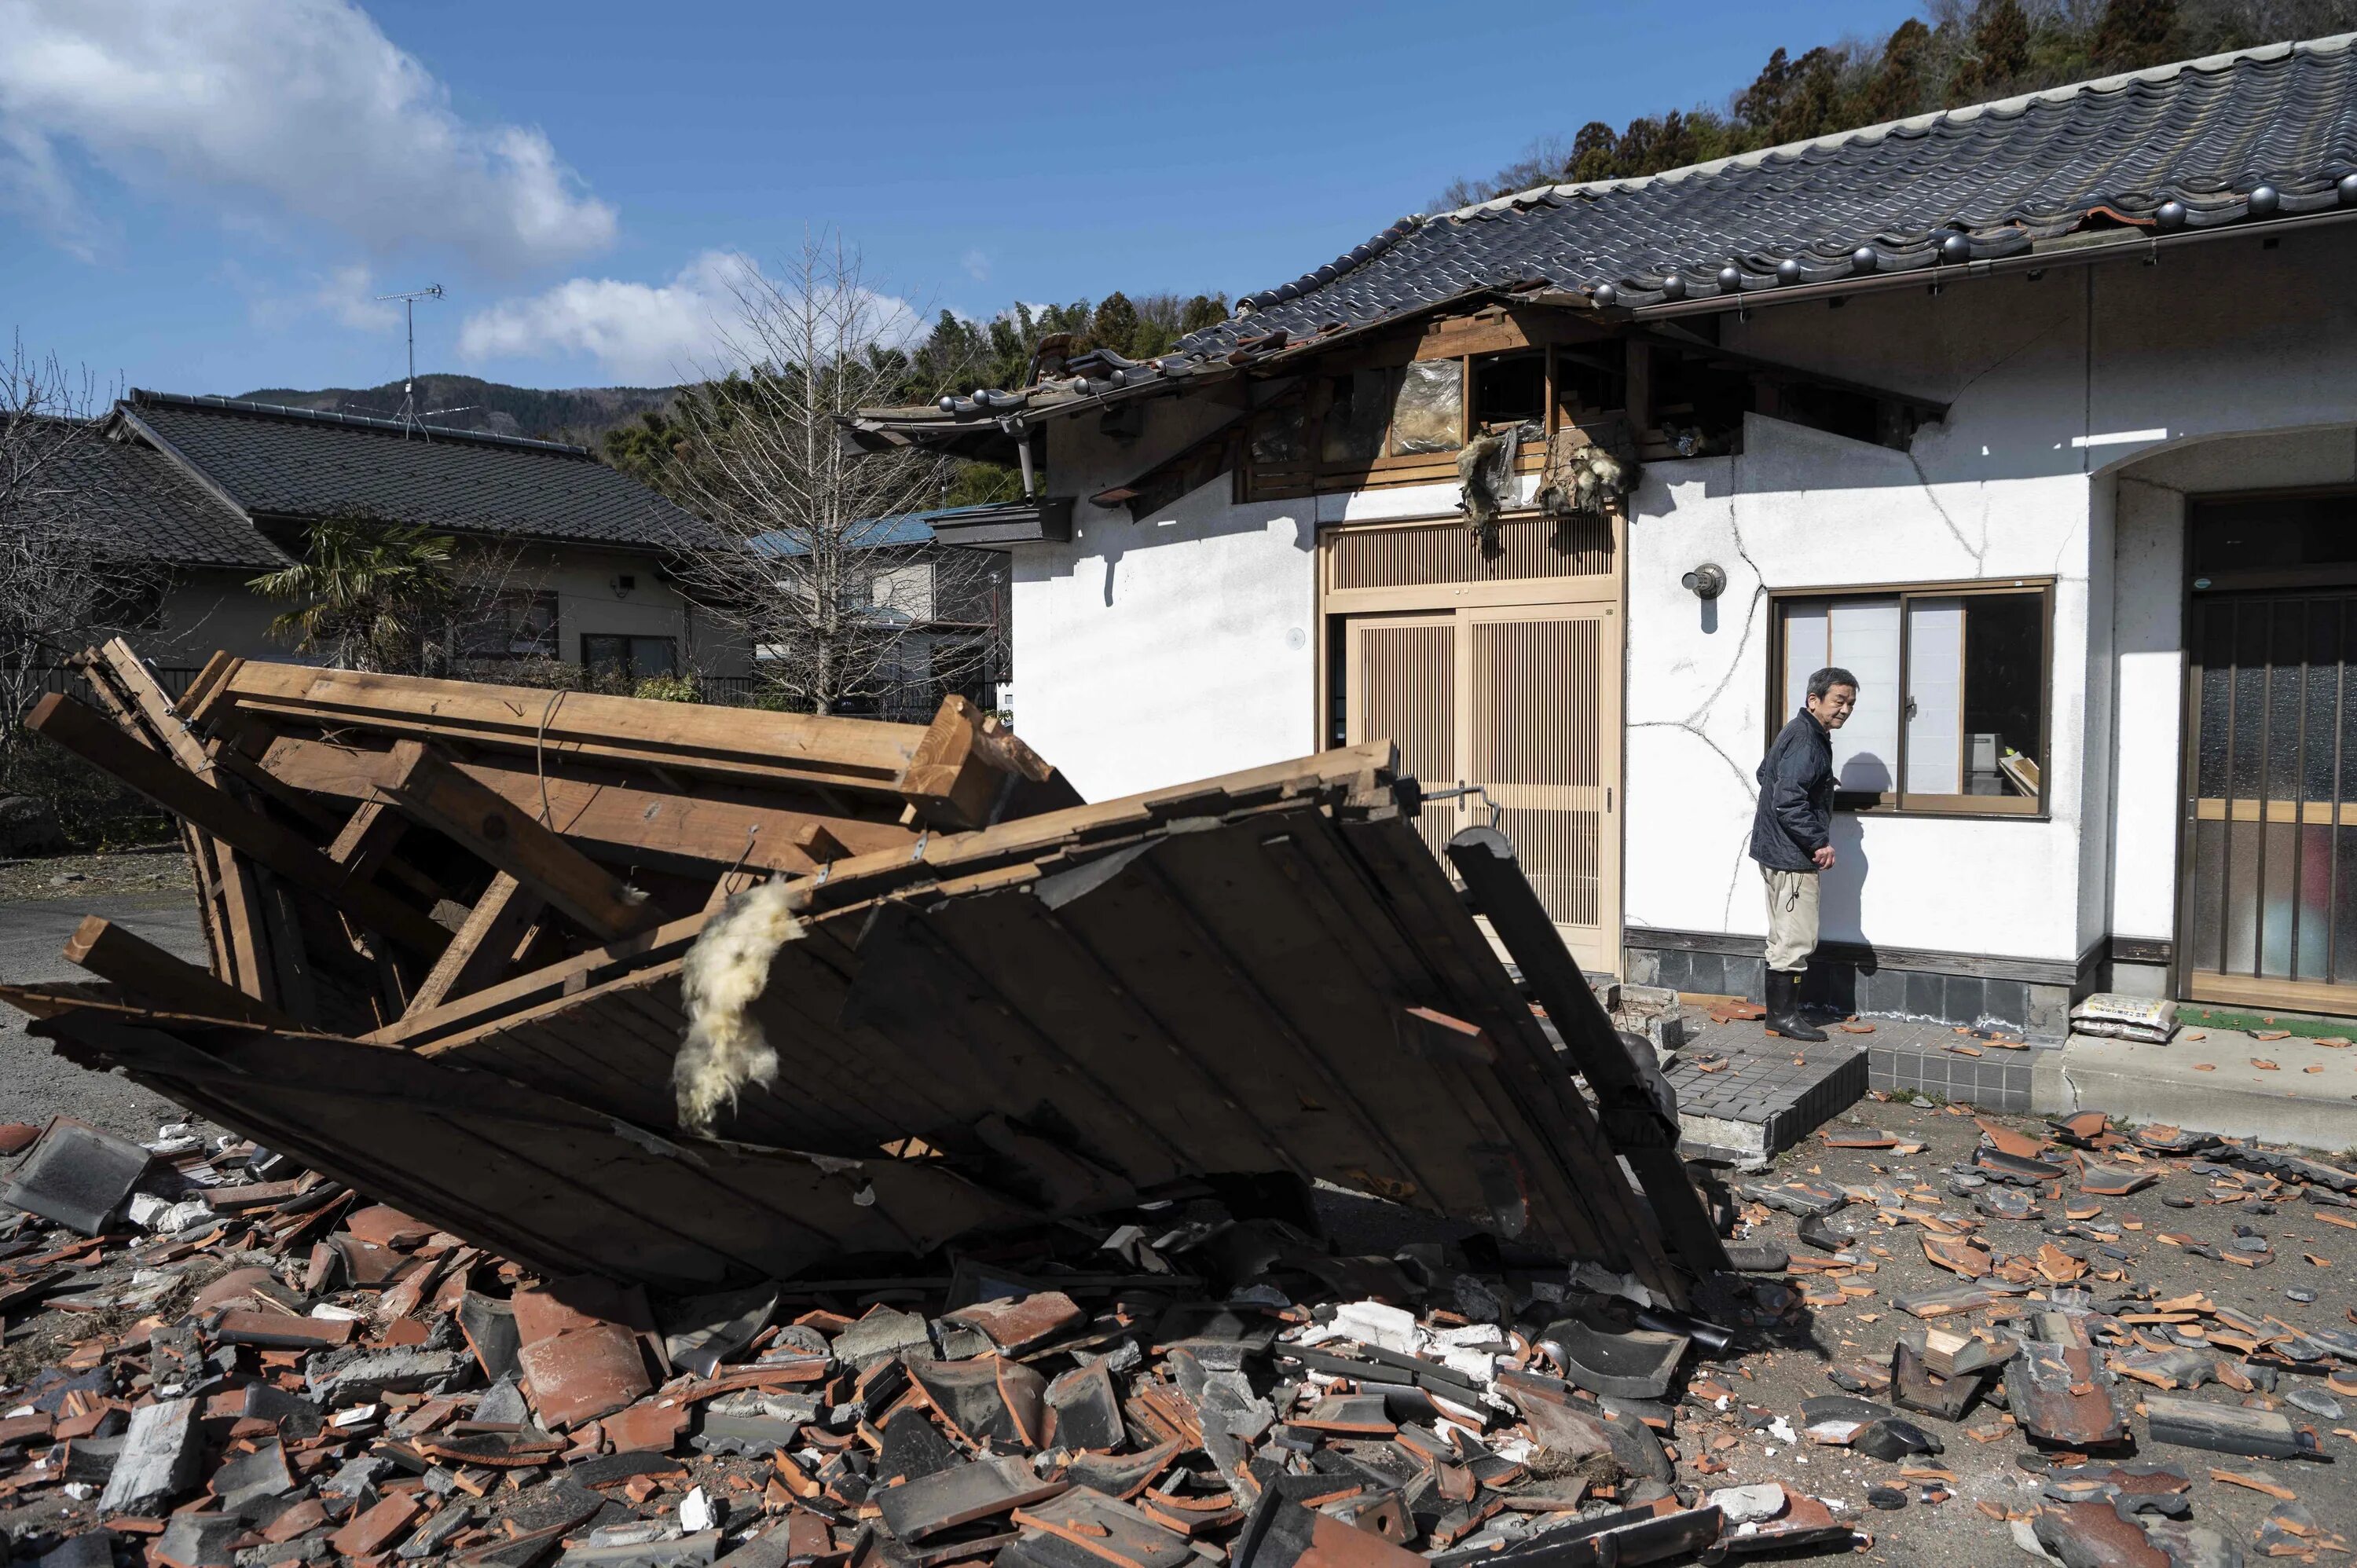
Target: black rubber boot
x: 1784, y: 1018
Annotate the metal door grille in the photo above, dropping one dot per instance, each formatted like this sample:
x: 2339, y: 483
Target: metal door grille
x: 1407, y: 690
x: 1441, y: 553
x: 1537, y: 739
x: 2269, y: 909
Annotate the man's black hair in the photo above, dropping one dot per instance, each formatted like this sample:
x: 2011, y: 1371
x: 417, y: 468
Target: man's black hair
x: 1826, y: 679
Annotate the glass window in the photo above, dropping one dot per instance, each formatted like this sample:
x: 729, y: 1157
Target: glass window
x: 513, y: 625
x: 1429, y: 411
x: 608, y: 655
x: 1279, y: 436
x: 1950, y: 710
x: 1509, y: 390
x: 1358, y: 409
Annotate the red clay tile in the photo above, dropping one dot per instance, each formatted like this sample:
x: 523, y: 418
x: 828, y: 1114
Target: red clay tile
x: 587, y: 1373
x: 234, y: 1285
x: 276, y: 1331
x: 377, y: 1528
x: 652, y: 1427
x: 387, y: 1227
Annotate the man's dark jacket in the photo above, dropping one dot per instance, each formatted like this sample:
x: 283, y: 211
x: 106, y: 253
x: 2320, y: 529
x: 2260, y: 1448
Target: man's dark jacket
x: 1796, y: 797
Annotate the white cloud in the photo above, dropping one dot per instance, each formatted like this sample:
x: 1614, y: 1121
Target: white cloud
x: 977, y: 265
x: 641, y: 333
x: 270, y: 108
x: 652, y: 333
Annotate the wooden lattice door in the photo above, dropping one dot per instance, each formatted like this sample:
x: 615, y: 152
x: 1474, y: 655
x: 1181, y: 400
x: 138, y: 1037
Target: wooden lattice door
x: 1522, y: 703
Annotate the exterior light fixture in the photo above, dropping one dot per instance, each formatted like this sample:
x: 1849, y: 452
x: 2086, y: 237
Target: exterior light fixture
x: 1707, y: 581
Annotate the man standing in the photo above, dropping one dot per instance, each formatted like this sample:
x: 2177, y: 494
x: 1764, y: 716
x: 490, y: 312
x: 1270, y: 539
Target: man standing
x: 1792, y: 838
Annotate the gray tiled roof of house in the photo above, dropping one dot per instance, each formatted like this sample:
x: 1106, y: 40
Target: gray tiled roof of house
x: 301, y: 464
x: 145, y: 503
x: 2259, y: 134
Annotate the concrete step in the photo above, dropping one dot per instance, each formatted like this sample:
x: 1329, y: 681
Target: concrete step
x: 2307, y: 1098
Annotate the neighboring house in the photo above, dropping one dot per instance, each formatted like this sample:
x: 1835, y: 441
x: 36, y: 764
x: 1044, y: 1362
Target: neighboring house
x: 221, y: 490
x: 2041, y: 416
x: 940, y: 610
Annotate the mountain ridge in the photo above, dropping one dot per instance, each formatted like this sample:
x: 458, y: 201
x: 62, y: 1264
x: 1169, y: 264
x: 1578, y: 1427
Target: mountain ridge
x: 578, y: 414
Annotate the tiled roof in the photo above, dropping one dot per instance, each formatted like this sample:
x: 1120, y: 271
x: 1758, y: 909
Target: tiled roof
x: 145, y: 503
x: 299, y: 463
x: 2252, y: 134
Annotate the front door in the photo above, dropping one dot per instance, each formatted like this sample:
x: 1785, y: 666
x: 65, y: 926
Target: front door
x: 1523, y: 702
x: 2267, y: 915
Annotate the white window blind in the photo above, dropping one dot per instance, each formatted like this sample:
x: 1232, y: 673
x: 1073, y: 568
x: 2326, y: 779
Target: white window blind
x: 1860, y: 635
x: 1935, y: 696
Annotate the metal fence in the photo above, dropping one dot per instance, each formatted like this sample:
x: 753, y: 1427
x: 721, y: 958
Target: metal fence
x: 176, y: 679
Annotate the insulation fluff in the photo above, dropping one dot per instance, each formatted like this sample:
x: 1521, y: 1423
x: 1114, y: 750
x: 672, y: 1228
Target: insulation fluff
x: 722, y: 976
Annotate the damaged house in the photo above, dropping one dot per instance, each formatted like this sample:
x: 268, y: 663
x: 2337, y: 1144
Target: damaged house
x: 2037, y: 414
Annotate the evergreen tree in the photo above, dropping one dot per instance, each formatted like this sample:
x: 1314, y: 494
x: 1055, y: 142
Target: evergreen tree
x: 2135, y: 34
x: 2000, y: 54
x: 1898, y: 87
x: 1203, y: 310
x: 1113, y: 324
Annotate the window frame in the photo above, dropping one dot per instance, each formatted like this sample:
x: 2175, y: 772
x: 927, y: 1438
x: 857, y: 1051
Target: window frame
x: 1897, y: 801
x: 630, y: 653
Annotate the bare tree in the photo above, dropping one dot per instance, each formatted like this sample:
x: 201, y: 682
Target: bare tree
x: 809, y: 557
x: 67, y: 580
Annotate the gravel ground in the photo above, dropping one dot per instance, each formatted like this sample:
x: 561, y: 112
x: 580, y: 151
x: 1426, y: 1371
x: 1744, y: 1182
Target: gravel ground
x: 1795, y: 1360
x: 36, y: 1083
x: 129, y: 873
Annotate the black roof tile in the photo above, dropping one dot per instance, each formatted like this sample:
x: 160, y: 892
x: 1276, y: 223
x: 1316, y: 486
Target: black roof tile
x: 146, y: 504
x: 2260, y: 133
x: 302, y: 464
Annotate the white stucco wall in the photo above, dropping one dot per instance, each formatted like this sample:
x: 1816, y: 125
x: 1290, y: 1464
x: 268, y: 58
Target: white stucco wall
x: 1799, y: 509
x: 1153, y: 652
x: 2083, y: 407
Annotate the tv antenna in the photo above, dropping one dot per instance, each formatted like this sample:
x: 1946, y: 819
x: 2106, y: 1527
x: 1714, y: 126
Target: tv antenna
x: 409, y: 420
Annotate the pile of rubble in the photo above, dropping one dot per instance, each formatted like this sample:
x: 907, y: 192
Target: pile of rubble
x: 2075, y: 1324
x: 255, y: 1365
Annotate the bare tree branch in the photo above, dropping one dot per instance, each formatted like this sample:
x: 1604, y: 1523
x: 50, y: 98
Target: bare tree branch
x: 67, y: 578
x: 803, y: 563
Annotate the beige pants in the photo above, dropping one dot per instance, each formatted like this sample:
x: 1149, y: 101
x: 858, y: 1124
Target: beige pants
x: 1791, y: 918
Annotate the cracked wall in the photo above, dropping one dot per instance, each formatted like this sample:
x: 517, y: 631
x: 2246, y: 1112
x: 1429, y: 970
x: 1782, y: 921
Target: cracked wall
x: 2084, y: 408
x: 1800, y: 509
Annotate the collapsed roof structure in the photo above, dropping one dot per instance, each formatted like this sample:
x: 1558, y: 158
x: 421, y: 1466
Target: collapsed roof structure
x: 693, y: 997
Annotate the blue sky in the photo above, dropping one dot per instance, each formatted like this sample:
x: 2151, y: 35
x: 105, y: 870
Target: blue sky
x: 203, y: 197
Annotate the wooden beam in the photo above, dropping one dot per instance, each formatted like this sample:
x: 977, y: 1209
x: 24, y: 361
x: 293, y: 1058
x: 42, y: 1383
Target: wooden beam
x: 501, y: 924
x: 562, y: 978
x: 185, y: 795
x: 610, y: 815
x: 967, y: 771
x: 153, y: 978
x: 367, y: 839
x: 429, y: 790
x: 1639, y: 393
x: 745, y: 743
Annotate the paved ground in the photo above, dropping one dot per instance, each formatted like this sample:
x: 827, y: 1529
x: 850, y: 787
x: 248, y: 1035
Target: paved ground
x: 1797, y: 1358
x: 35, y: 1084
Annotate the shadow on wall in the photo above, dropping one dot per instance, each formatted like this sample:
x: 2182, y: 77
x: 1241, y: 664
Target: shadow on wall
x: 1841, y: 892
x: 1115, y: 536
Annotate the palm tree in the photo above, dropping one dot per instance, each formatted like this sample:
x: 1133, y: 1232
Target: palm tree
x: 375, y: 592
